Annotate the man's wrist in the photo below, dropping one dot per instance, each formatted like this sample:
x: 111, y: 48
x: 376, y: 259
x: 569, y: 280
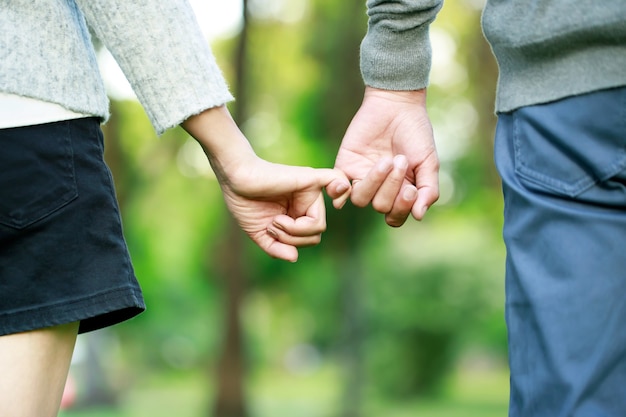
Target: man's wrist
x: 401, y: 96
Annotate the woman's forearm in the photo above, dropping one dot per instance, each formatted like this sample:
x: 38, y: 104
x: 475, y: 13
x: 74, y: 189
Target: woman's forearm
x: 223, y: 142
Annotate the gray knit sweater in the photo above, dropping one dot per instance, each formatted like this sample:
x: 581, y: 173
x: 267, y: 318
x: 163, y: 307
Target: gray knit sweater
x: 46, y: 53
x: 546, y: 49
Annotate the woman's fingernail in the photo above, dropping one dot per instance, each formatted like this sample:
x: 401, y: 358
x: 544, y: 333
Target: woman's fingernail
x: 342, y: 188
x: 409, y: 194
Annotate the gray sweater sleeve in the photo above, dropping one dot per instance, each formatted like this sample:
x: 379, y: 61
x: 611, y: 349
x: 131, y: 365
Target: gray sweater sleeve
x: 161, y: 50
x: 396, y: 53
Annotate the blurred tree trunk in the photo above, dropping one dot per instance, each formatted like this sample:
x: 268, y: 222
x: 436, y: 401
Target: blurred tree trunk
x: 485, y: 71
x: 338, y: 30
x: 230, y: 390
x: 352, y: 350
x: 230, y: 398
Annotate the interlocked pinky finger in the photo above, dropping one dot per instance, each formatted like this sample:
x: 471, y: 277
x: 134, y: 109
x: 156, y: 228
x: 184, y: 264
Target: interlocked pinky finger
x: 291, y: 240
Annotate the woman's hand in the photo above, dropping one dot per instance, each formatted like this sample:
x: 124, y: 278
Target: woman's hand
x: 280, y: 207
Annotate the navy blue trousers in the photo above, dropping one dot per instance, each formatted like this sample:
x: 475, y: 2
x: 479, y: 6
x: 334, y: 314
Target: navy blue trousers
x: 563, y: 169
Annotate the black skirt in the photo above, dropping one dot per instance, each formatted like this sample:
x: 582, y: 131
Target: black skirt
x: 62, y: 254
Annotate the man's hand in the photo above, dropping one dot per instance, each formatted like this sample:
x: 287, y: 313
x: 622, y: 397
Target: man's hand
x: 389, y: 154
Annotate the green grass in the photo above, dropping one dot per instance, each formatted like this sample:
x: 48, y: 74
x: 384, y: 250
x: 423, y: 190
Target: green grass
x: 277, y: 394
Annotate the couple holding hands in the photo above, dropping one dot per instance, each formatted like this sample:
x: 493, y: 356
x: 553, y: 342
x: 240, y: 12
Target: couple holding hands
x: 64, y: 264
x: 387, y: 152
x: 559, y: 148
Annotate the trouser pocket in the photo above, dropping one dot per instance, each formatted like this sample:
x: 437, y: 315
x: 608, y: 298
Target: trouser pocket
x: 568, y: 147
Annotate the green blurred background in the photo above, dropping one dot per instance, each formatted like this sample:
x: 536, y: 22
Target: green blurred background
x: 374, y: 321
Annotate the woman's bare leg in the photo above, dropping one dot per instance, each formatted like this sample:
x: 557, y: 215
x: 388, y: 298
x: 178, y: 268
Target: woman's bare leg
x: 33, y: 370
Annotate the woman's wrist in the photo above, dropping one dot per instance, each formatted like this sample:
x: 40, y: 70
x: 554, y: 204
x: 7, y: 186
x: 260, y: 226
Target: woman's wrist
x: 223, y: 142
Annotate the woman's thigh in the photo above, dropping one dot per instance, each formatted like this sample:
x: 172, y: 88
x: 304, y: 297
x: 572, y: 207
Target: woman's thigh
x: 34, y: 368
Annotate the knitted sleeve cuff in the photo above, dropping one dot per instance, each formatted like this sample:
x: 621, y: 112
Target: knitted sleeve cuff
x: 159, y: 46
x: 396, y: 52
